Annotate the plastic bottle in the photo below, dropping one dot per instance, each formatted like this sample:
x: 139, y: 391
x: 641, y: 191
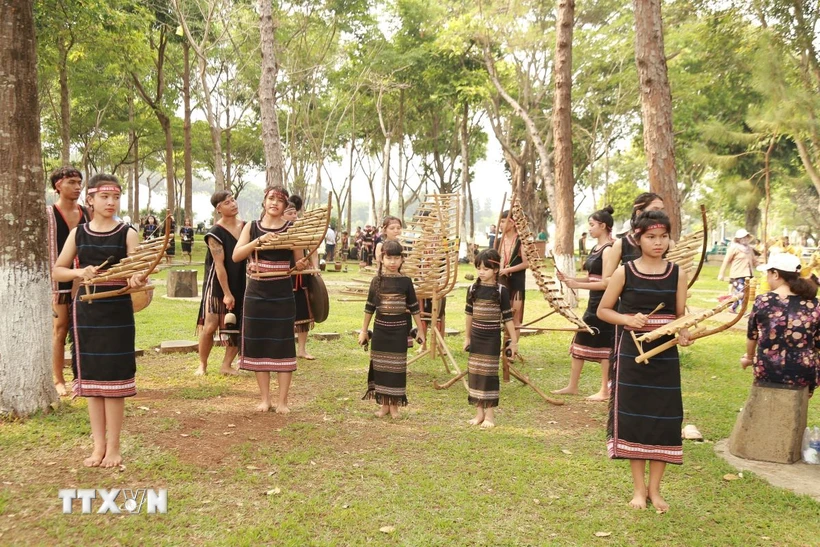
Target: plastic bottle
x: 811, y: 445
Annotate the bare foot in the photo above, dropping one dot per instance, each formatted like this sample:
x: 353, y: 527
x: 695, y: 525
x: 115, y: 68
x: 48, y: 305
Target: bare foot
x: 658, y: 502
x: 487, y: 424
x: 476, y: 420
x: 228, y: 371
x: 61, y: 389
x: 112, y: 459
x: 200, y: 371
x: 94, y: 459
x: 382, y: 412
x: 565, y: 391
x: 394, y: 411
x: 600, y: 396
x: 282, y: 409
x: 263, y: 407
x: 638, y: 500
x: 307, y: 356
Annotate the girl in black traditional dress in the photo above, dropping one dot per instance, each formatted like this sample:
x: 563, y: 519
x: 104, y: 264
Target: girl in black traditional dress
x: 186, y: 233
x: 269, y: 311
x: 514, y: 264
x: 149, y: 230
x: 391, y: 295
x: 626, y: 248
x: 488, y: 306
x: 646, y: 410
x: 103, y: 354
x: 585, y: 346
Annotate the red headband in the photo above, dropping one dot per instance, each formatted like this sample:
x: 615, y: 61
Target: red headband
x: 650, y: 227
x: 278, y: 194
x: 105, y: 188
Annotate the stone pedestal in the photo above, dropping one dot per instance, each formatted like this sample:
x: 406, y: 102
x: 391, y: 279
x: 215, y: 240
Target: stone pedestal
x: 326, y: 335
x: 770, y: 426
x: 178, y: 346
x: 182, y: 284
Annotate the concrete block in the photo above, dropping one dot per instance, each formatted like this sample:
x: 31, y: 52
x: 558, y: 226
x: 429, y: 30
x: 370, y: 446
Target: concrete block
x: 182, y: 284
x: 178, y: 346
x: 770, y: 426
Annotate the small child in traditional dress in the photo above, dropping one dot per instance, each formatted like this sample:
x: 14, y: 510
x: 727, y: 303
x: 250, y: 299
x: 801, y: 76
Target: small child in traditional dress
x: 390, y: 297
x: 646, y: 409
x: 488, y: 306
x: 103, y: 354
x: 186, y: 233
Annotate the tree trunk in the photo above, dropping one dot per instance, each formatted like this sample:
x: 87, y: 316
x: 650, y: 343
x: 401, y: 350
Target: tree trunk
x: 274, y: 162
x: 465, y: 170
x: 656, y: 108
x: 133, y: 206
x: 65, y: 103
x: 564, y: 211
x: 350, y: 171
x: 170, y: 173
x: 186, y: 132
x: 25, y: 287
x: 136, y: 174
x: 384, y: 210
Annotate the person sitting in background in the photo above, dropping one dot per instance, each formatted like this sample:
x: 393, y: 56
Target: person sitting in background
x: 783, y: 336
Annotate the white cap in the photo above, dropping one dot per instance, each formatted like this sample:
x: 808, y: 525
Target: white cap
x: 740, y: 234
x: 785, y: 262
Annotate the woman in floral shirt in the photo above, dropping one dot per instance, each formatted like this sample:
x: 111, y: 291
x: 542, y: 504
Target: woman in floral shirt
x: 784, y: 326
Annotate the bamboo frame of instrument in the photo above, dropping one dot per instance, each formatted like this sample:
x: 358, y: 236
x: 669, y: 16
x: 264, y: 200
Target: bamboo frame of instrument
x: 692, y: 320
x: 432, y: 261
x: 140, y: 266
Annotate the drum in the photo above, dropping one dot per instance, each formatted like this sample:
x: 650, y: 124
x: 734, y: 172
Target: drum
x: 141, y: 299
x: 317, y: 295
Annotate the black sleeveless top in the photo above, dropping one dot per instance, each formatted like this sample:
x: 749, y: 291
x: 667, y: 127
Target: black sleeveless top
x: 630, y: 249
x: 270, y: 260
x: 94, y: 248
x: 58, y: 231
x: 594, y: 266
x: 235, y: 270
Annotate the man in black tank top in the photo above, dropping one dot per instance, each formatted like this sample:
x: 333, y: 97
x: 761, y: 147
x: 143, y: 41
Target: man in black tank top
x: 62, y: 216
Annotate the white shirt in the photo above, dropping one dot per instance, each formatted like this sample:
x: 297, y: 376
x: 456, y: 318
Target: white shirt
x: 330, y: 237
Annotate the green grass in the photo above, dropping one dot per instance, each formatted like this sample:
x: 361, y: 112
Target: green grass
x: 342, y: 474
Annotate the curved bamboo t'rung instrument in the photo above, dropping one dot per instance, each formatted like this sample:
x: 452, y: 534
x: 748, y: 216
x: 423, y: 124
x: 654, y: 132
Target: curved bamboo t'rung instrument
x: 549, y: 286
x: 692, y: 321
x: 306, y: 232
x: 431, y: 242
x: 143, y: 260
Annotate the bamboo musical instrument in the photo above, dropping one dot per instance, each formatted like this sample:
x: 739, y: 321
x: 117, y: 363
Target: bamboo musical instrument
x: 306, y: 233
x: 693, y: 320
x: 549, y: 286
x: 144, y: 260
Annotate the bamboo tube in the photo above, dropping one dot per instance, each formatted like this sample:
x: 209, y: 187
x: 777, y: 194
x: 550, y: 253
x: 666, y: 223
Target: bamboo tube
x: 111, y: 294
x: 645, y: 357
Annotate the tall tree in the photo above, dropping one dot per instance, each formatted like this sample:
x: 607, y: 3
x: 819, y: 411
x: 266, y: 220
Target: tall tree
x: 25, y: 292
x: 656, y: 107
x: 272, y: 142
x: 564, y: 212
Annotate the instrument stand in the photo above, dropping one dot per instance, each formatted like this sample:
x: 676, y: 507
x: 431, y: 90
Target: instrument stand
x: 437, y: 346
x: 508, y: 369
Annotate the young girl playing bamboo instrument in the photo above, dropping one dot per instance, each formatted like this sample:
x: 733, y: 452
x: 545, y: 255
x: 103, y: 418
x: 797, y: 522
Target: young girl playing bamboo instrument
x: 646, y: 409
x: 488, y: 306
x: 269, y: 310
x: 391, y: 295
x: 103, y: 354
